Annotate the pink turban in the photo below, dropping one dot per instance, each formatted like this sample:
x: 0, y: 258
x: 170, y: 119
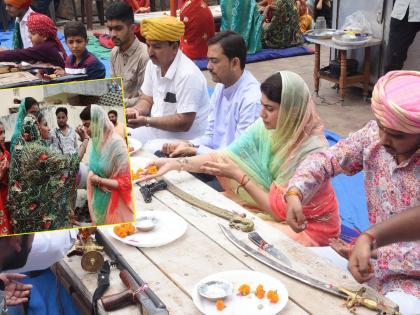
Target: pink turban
x: 396, y: 101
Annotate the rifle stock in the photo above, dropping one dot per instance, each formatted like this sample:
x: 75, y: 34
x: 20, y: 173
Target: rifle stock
x: 148, y: 299
x: 119, y: 300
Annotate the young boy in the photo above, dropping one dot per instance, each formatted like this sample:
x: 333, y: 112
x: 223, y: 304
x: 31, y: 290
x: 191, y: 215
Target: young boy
x: 81, y: 61
x: 46, y: 47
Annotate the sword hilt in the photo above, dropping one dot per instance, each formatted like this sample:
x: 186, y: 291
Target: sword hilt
x: 256, y: 238
x: 355, y: 298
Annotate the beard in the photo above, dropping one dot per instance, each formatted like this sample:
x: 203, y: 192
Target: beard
x: 18, y: 259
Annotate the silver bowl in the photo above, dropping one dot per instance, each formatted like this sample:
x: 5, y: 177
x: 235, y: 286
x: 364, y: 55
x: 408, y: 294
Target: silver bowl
x: 146, y: 224
x: 215, y: 290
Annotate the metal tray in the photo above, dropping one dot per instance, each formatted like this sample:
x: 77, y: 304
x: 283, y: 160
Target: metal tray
x: 322, y: 34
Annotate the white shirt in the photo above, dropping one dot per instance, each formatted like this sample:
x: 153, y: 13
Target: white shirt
x: 24, y: 32
x: 401, y: 7
x: 47, y: 249
x: 189, y: 94
x: 232, y: 110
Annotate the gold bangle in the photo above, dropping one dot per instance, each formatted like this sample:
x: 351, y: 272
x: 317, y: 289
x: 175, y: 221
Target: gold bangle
x: 294, y: 192
x: 147, y: 119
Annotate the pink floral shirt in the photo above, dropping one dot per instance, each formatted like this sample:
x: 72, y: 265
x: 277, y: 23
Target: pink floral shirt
x: 390, y: 189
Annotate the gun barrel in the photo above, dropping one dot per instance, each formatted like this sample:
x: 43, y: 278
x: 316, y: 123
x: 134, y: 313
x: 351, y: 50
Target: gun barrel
x: 113, y: 253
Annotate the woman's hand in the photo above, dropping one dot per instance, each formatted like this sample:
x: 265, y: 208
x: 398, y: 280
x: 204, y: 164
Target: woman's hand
x: 98, y: 182
x: 223, y: 167
x: 295, y: 217
x: 4, y: 167
x: 359, y: 262
x: 164, y: 165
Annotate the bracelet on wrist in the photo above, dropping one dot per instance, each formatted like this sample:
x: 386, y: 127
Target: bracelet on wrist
x: 147, y: 121
x: 244, y: 180
x: 373, y: 242
x: 293, y: 192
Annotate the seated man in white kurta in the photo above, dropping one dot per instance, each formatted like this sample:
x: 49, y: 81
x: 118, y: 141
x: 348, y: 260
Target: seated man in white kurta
x: 174, y: 102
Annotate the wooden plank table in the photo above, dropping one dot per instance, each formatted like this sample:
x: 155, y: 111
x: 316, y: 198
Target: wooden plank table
x: 25, y: 78
x: 173, y: 270
x: 343, y: 80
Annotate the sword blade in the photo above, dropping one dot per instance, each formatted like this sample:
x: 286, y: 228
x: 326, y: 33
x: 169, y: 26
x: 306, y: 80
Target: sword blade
x: 259, y: 241
x: 328, y: 288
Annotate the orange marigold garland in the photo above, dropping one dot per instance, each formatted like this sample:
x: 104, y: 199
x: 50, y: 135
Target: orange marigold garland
x: 140, y: 172
x: 125, y: 229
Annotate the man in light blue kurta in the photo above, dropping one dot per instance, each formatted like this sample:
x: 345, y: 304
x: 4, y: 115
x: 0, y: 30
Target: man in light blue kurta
x: 235, y: 102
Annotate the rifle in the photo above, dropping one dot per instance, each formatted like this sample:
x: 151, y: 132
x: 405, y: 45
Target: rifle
x: 148, y: 299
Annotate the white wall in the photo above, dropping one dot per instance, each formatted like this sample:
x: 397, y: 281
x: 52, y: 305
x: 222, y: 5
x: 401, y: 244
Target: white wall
x: 7, y: 96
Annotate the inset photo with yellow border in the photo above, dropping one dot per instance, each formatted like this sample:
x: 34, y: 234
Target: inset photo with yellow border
x: 64, y: 157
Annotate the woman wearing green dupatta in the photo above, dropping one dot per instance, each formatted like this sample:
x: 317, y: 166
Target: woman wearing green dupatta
x: 255, y: 168
x: 109, y: 187
x: 29, y: 105
x: 243, y: 17
x: 42, y: 183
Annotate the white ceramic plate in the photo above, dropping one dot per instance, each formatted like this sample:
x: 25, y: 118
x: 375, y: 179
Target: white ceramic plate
x: 169, y: 227
x: 243, y: 305
x: 135, y: 144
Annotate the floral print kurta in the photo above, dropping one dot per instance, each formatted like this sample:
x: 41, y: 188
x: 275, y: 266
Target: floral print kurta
x: 283, y: 29
x: 42, y: 183
x: 390, y: 189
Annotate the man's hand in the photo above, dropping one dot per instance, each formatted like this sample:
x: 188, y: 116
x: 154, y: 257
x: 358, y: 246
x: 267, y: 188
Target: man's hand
x: 139, y: 121
x: 143, y: 10
x: 80, y: 130
x: 134, y: 119
x: 131, y: 113
x: 181, y: 148
x: 295, y: 217
x: 16, y: 292
x: 359, y: 262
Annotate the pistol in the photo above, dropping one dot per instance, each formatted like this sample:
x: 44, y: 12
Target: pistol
x: 148, y: 190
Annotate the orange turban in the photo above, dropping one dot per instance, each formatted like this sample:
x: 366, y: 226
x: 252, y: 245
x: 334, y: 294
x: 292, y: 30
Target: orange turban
x: 18, y: 3
x: 164, y: 28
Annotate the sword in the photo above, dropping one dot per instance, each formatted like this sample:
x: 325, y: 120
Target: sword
x: 352, y: 298
x: 259, y: 241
